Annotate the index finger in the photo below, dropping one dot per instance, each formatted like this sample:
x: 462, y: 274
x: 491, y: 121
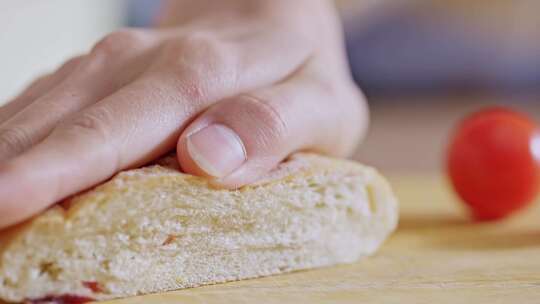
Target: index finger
x: 124, y: 130
x: 37, y: 88
x: 136, y: 124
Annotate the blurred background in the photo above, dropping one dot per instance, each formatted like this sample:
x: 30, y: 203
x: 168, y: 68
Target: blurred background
x: 423, y: 64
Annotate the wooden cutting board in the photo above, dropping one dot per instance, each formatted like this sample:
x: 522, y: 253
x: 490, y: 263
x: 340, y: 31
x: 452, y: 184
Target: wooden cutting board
x: 436, y: 256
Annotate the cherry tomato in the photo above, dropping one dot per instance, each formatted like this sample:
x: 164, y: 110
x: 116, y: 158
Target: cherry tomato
x: 494, y: 162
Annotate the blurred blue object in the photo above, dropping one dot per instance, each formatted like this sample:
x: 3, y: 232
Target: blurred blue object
x: 404, y: 52
x: 141, y: 13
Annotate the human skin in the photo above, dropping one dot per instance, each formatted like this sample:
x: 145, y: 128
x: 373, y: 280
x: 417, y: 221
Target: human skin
x: 234, y: 85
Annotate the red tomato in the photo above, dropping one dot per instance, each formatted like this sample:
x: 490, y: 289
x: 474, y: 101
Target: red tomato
x: 494, y: 162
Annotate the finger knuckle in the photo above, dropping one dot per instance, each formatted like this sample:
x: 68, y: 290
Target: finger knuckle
x: 70, y: 64
x: 195, y: 45
x: 272, y: 125
x: 66, y: 68
x: 360, y: 110
x: 114, y: 46
x: 351, y: 107
x: 15, y: 139
x: 119, y: 42
x: 340, y: 94
x: 72, y: 61
x: 94, y: 124
x: 198, y: 56
x: 354, y: 103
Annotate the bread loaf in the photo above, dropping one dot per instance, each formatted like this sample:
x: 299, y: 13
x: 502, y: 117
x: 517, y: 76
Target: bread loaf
x: 155, y: 229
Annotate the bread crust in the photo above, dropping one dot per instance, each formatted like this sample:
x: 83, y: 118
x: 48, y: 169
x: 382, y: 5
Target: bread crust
x: 155, y: 229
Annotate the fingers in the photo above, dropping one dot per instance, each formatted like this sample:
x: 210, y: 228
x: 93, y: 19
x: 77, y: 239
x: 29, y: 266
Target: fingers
x: 113, y: 62
x: 122, y: 56
x: 135, y: 124
x: 37, y: 88
x: 239, y: 139
x: 83, y: 150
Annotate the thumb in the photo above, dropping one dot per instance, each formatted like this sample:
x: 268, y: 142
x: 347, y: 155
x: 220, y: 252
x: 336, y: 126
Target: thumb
x: 238, y: 140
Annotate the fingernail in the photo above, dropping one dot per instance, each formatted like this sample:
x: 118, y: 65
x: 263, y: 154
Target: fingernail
x: 217, y: 150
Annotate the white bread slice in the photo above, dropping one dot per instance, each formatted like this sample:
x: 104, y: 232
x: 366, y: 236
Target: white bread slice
x: 155, y: 229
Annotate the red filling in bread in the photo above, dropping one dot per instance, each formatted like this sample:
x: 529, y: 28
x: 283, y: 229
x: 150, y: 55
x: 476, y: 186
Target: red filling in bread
x: 64, y: 299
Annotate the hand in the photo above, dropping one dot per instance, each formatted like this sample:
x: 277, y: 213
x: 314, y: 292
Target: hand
x: 235, y: 85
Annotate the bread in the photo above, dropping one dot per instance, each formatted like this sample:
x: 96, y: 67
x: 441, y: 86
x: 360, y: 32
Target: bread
x: 155, y: 229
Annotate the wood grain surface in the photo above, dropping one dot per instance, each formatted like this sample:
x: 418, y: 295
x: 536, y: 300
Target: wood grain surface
x: 436, y: 256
